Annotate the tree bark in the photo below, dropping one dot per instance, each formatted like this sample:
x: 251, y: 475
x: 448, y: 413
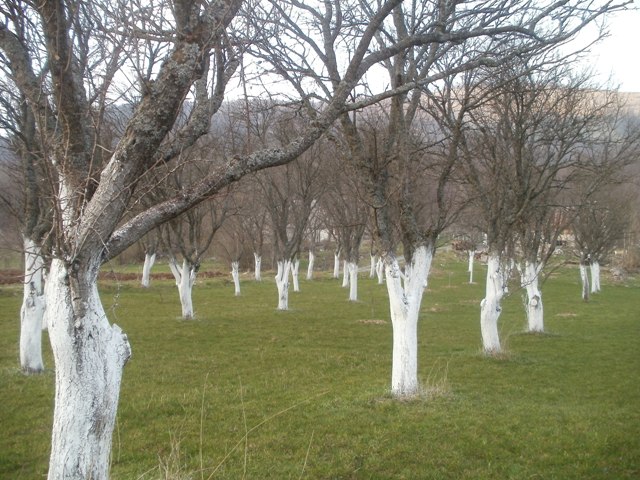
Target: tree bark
x: 380, y: 271
x: 295, y: 274
x: 257, y: 259
x: 472, y: 254
x: 336, y: 264
x: 185, y: 278
x: 90, y: 355
x: 595, y: 276
x: 149, y: 260
x: 533, y: 303
x: 312, y: 259
x: 282, y: 282
x: 345, y: 274
x: 235, y: 274
x: 353, y: 281
x: 584, y: 277
x: 372, y: 266
x: 32, y: 310
x: 490, y: 307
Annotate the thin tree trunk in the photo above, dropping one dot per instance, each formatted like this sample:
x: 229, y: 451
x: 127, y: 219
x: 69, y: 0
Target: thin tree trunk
x: 185, y: 278
x: 584, y: 277
x: 372, y: 267
x: 533, y: 304
x: 257, y: 258
x: 32, y: 310
x: 295, y: 274
x: 595, y: 276
x: 380, y: 271
x: 336, y: 265
x: 490, y: 307
x: 345, y: 274
x: 312, y: 259
x: 90, y: 355
x: 282, y: 282
x: 472, y: 254
x: 149, y: 260
x: 353, y: 281
x: 235, y: 274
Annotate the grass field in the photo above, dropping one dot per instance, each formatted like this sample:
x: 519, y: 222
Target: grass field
x: 245, y: 391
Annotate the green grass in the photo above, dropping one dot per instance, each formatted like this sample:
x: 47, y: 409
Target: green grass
x: 246, y: 391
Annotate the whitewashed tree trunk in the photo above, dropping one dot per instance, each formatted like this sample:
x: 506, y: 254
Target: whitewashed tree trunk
x: 353, y: 281
x: 336, y: 265
x: 282, y: 282
x: 372, y: 266
x: 404, y: 304
x: 490, y: 307
x: 380, y: 271
x: 235, y: 274
x: 345, y: 274
x: 584, y: 277
x: 295, y: 274
x: 472, y: 255
x: 312, y: 259
x: 32, y: 310
x: 90, y: 355
x: 185, y: 278
x: 257, y: 259
x: 149, y: 260
x: 595, y: 276
x: 530, y: 274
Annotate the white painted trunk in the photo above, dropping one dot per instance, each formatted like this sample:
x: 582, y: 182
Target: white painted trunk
x: 372, y: 266
x: 595, y: 276
x: 32, y: 310
x: 336, y: 265
x: 490, y: 307
x: 235, y: 274
x: 185, y: 278
x: 345, y: 274
x: 584, y: 277
x: 353, y: 281
x: 149, y: 260
x: 472, y: 255
x: 312, y: 260
x: 89, y: 356
x: 405, y: 299
x: 380, y: 271
x: 282, y: 282
x: 295, y: 274
x: 257, y: 261
x: 533, y: 304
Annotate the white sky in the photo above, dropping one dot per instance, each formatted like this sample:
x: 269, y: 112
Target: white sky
x: 618, y: 56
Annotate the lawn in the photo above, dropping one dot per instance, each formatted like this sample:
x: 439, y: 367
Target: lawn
x: 245, y: 391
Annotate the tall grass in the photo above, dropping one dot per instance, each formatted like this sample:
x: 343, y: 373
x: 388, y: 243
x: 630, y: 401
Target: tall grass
x: 245, y: 391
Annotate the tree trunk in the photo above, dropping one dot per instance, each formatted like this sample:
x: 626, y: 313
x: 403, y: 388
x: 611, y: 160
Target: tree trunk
x: 404, y: 305
x: 312, y: 259
x: 472, y: 255
x: 490, y: 307
x: 345, y: 274
x: 235, y: 274
x: 149, y: 260
x: 380, y: 271
x: 282, y: 282
x: 595, y: 276
x: 185, y: 278
x: 353, y: 281
x: 584, y: 277
x: 32, y: 310
x: 295, y: 274
x: 89, y: 356
x: 257, y: 258
x: 372, y: 267
x: 336, y: 265
x: 533, y: 304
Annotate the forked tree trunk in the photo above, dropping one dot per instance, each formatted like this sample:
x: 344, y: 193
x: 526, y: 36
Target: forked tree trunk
x: 380, y: 271
x: 149, y: 260
x: 295, y: 274
x: 282, y: 282
x: 345, y: 274
x: 185, y: 278
x: 472, y: 255
x: 32, y: 310
x: 584, y: 277
x: 490, y: 307
x: 312, y: 259
x: 235, y: 274
x: 595, y: 276
x: 530, y: 274
x: 353, y: 281
x: 336, y: 265
x: 404, y: 305
x: 89, y: 357
x: 257, y: 259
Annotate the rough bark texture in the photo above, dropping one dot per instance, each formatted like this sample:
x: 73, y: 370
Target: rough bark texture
x: 89, y: 356
x: 32, y: 310
x: 282, y: 282
x: 490, y: 307
x: 149, y: 260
